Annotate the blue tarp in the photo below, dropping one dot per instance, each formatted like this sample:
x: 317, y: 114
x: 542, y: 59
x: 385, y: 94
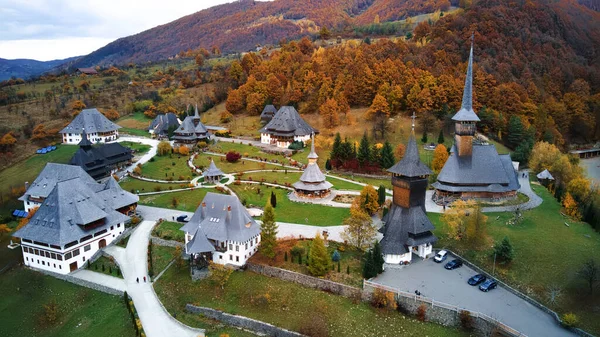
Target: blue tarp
x: 22, y: 214
x: 53, y: 148
x: 16, y: 212
x: 49, y: 148
x: 25, y: 214
x: 39, y: 151
x: 44, y: 151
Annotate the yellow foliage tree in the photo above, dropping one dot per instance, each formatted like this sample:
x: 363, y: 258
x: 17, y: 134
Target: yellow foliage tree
x: 580, y: 189
x: 465, y: 221
x: 164, y: 148
x: 399, y: 152
x: 571, y: 207
x: 368, y: 199
x: 76, y: 107
x: 330, y: 113
x: 379, y: 108
x: 359, y: 231
x: 184, y: 151
x: 440, y: 155
x: 4, y: 229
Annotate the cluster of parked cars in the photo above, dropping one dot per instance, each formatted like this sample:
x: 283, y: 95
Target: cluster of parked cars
x: 484, y: 283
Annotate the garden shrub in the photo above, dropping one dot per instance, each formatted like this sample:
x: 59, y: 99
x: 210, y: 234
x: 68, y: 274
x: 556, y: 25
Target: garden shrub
x: 335, y: 257
x: 466, y: 321
x: 384, y: 299
x: 421, y: 312
x: 570, y: 320
x: 233, y: 156
x: 315, y: 326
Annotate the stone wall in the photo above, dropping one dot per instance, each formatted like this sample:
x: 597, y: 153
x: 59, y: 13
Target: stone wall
x: 81, y: 282
x: 306, y: 280
x: 163, y: 242
x: 242, y: 322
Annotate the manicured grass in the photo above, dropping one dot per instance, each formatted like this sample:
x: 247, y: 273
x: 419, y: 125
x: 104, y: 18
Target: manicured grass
x: 253, y: 151
x: 371, y: 181
x: 172, y: 166
x: 293, y: 176
x: 135, y: 185
x: 135, y: 121
x: 169, y: 230
x: 203, y: 160
x: 134, y: 132
x: 349, y: 257
x: 291, y: 306
x: 288, y: 211
x: 81, y: 311
x: 138, y: 148
x: 187, y: 200
x: 547, y: 253
x: 521, y: 199
x: 161, y: 257
x: 8, y: 256
x: 110, y: 267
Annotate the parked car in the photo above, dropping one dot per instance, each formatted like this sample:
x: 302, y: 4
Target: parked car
x: 476, y: 279
x: 456, y: 263
x: 440, y: 256
x: 488, y: 285
x: 182, y: 218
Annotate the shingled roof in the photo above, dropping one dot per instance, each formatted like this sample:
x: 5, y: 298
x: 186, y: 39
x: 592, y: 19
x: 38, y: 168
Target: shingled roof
x: 71, y: 205
x: 405, y: 227
x: 223, y: 218
x: 98, y: 160
x: 51, y: 175
x: 188, y: 126
x: 545, y: 174
x: 212, y: 170
x: 410, y: 165
x: 466, y: 113
x: 161, y: 123
x: 92, y: 121
x: 287, y: 122
x: 268, y: 112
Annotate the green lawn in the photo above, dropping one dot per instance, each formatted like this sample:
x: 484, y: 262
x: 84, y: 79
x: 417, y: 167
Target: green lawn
x: 203, y: 160
x: 173, y: 166
x: 253, y: 151
x: 110, y: 267
x: 288, y: 211
x: 161, y: 256
x: 186, y: 200
x: 134, y: 132
x: 169, y: 230
x: 372, y: 181
x: 138, y: 148
x: 547, y: 253
x: 293, y: 176
x: 290, y: 306
x: 81, y: 311
x: 135, y: 185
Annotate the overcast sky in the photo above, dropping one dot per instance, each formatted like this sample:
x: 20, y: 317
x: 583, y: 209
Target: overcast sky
x: 56, y: 29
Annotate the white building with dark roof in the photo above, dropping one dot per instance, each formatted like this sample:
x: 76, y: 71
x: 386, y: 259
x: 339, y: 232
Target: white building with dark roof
x: 407, y: 229
x: 99, y: 128
x: 313, y: 182
x: 286, y: 127
x: 474, y: 169
x: 221, y: 230
x: 162, y: 124
x: 76, y: 219
x: 267, y: 114
x: 191, y: 131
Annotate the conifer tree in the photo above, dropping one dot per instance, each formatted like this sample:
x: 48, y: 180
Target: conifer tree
x: 381, y: 195
x: 273, y: 199
x: 504, y: 251
x: 336, y: 149
x: 328, y: 165
x: 424, y: 138
x: 515, y: 132
x: 387, y: 159
x: 377, y: 258
x: 368, y: 266
x: 268, y: 234
x: 319, y: 259
x: 441, y: 137
x: 364, y: 151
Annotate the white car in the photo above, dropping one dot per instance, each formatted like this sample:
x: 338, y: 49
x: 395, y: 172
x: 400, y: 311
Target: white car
x: 440, y: 256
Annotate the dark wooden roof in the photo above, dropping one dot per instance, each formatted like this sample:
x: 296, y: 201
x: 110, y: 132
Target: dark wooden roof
x: 410, y: 165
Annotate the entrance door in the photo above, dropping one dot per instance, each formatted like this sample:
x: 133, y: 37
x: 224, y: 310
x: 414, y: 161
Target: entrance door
x: 73, y: 266
x: 102, y: 243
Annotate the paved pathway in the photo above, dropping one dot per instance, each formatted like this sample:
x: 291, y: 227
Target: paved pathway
x: 146, y: 157
x: 450, y: 286
x: 99, y: 278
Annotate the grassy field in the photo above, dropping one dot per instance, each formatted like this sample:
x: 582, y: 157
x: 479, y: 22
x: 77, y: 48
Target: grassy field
x: 161, y: 257
x: 292, y: 177
x: 203, y: 160
x: 169, y: 230
x: 371, y: 181
x: 547, y: 253
x: 134, y: 132
x: 81, y: 311
x: 110, y: 267
x: 173, y: 166
x: 186, y: 200
x: 290, y: 306
x: 288, y: 211
x: 135, y: 185
x: 138, y: 149
x: 350, y: 260
x: 253, y: 151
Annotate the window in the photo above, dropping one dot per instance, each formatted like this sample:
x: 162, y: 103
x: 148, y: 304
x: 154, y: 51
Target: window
x: 230, y: 246
x: 84, y: 259
x: 256, y: 240
x: 47, y: 254
x: 59, y: 257
x: 251, y: 243
x: 26, y: 259
x: 237, y: 248
x: 112, y: 228
x: 87, y: 248
x: 55, y: 265
x: 38, y: 261
x: 43, y: 263
x: 53, y: 256
x: 118, y: 225
x: 68, y: 256
x: 59, y: 266
x: 76, y: 252
x: 220, y: 257
x: 237, y: 259
x: 230, y: 257
x: 246, y: 246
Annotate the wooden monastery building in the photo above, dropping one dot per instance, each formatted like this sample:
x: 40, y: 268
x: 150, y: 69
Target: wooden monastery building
x: 474, y: 169
x: 99, y: 129
x: 191, y: 131
x: 285, y: 127
x: 102, y: 160
x: 312, y: 182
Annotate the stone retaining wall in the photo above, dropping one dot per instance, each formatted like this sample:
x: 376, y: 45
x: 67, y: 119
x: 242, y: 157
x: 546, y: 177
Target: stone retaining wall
x: 163, y: 242
x: 81, y: 282
x: 305, y: 280
x: 242, y: 322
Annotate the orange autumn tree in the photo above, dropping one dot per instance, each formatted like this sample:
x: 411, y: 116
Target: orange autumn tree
x: 571, y: 208
x: 399, y: 152
x: 329, y: 112
x: 26, y: 219
x: 111, y: 114
x: 7, y: 142
x: 440, y: 155
x: 76, y: 107
x: 379, y: 108
x: 150, y: 112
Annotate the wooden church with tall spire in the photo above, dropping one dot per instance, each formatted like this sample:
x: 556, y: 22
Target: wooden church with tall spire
x: 406, y: 228
x: 312, y: 183
x: 474, y: 169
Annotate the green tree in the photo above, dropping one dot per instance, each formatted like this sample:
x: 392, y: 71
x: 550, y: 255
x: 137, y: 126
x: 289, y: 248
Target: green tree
x: 387, y: 159
x: 381, y: 194
x: 377, y: 258
x: 515, y: 132
x: 319, y: 260
x: 336, y: 149
x: 364, y: 151
x: 164, y: 148
x: 328, y: 164
x: 441, y: 137
x: 424, y: 138
x: 273, y: 199
x: 324, y: 33
x: 268, y: 233
x: 504, y: 251
x: 219, y: 273
x: 368, y: 269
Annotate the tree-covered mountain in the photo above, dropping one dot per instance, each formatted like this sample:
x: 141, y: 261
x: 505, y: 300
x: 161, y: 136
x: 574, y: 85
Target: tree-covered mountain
x: 24, y: 68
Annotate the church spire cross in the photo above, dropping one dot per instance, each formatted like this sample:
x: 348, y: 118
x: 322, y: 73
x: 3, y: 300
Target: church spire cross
x: 467, y: 101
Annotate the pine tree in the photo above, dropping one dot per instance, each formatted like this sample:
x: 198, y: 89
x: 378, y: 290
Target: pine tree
x: 377, y: 258
x: 515, y: 132
x: 319, y: 260
x: 364, y: 151
x: 273, y: 199
x: 441, y: 137
x: 381, y: 195
x: 285, y: 256
x: 368, y: 266
x: 504, y: 251
x: 348, y: 270
x: 424, y: 138
x: 268, y: 234
x: 328, y: 165
x: 387, y: 159
x: 336, y: 149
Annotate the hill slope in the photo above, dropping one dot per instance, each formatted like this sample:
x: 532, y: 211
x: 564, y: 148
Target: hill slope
x: 24, y: 68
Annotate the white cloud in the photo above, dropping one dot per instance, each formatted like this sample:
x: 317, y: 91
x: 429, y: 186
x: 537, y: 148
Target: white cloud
x: 51, y: 29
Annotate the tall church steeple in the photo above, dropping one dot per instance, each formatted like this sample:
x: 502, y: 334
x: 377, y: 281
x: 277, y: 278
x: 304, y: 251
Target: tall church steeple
x: 409, y: 176
x: 312, y: 156
x: 85, y: 143
x: 465, y: 119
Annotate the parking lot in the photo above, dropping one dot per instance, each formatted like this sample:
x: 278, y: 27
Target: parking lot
x: 450, y: 287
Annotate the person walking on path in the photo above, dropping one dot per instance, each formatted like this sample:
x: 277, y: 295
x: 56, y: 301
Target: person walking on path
x: 144, y: 279
x: 137, y: 279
